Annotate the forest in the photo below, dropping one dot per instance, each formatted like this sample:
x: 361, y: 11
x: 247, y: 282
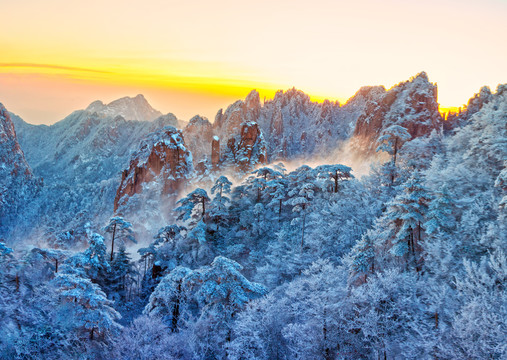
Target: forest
x: 317, y: 261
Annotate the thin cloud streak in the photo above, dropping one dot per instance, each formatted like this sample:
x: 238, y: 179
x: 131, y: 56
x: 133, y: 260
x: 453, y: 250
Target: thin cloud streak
x: 52, y: 66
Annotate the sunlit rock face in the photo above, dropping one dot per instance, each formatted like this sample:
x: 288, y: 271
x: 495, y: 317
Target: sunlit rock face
x: 215, y: 152
x: 242, y: 145
x: 17, y: 182
x: 246, y: 149
x: 412, y: 104
x: 233, y: 140
x: 198, y: 135
x: 161, y: 165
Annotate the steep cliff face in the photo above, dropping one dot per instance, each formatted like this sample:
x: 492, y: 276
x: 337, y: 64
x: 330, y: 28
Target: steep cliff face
x: 245, y: 150
x: 198, y: 135
x: 411, y: 104
x: 12, y: 157
x: 161, y: 165
x: 238, y: 137
x: 17, y: 182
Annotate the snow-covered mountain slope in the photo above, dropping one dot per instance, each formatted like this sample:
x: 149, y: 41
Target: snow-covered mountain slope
x: 17, y: 182
x: 81, y: 158
x: 136, y: 108
x: 85, y: 146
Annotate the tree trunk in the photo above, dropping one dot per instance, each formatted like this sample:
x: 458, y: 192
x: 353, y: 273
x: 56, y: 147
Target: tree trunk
x: 436, y: 320
x: 327, y: 351
x: 303, y: 235
x: 395, y: 152
x: 56, y: 265
x: 176, y: 310
x: 336, y: 182
x: 112, y: 241
x: 91, y: 333
x: 280, y: 211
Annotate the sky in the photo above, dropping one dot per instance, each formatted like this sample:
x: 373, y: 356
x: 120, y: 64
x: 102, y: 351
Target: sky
x: 195, y: 57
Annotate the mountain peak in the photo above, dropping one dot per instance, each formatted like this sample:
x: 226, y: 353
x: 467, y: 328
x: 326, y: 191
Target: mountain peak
x: 131, y: 108
x: 422, y: 75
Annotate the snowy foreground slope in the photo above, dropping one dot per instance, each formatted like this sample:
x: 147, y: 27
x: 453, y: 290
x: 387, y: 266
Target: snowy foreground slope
x: 150, y: 239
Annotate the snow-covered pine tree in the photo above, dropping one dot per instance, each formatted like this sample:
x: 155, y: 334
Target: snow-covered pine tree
x: 85, y: 304
x: 391, y: 139
x: 407, y: 214
x: 193, y: 206
x: 119, y: 229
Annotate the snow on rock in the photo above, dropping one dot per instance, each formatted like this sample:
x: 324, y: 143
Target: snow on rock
x: 81, y: 159
x: 136, y: 108
x: 411, y: 104
x: 286, y: 127
x: 17, y: 183
x: 162, y: 158
x: 474, y: 105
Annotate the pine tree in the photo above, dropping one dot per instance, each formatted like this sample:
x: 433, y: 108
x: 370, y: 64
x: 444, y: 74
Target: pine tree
x: 169, y: 300
x: 407, y: 214
x: 218, y: 210
x: 362, y: 260
x: 86, y: 304
x: 93, y: 261
x: 336, y: 173
x: 119, y: 228
x: 301, y: 195
x: 390, y: 141
x: 123, y: 274
x: 189, y: 205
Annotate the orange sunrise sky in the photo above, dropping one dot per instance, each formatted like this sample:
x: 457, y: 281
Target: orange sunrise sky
x: 194, y: 57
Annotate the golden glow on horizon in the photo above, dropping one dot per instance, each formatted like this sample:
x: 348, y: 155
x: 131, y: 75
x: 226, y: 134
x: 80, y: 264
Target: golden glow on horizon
x: 195, y: 57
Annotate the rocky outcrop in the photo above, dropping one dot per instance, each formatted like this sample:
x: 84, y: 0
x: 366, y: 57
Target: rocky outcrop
x: 198, y: 134
x: 82, y: 154
x: 242, y: 145
x: 215, y: 152
x: 162, y: 165
x: 289, y: 126
x: 233, y: 140
x: 296, y: 127
x: 412, y: 104
x: 12, y: 159
x: 247, y: 149
x: 17, y: 183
